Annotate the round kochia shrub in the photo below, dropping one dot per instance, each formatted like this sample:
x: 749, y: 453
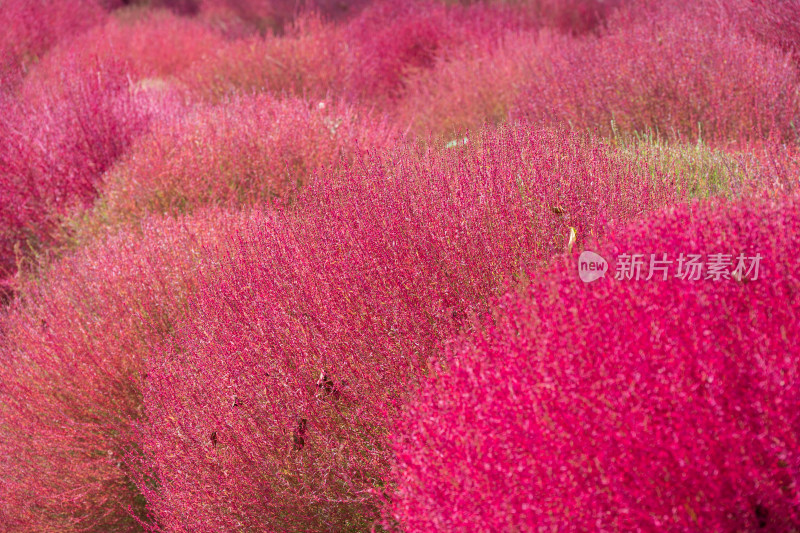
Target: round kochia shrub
x: 474, y: 84
x: 245, y: 151
x: 31, y: 27
x: 152, y: 44
x: 269, y: 408
x: 623, y: 405
x: 679, y: 75
x: 72, y: 347
x: 57, y: 138
x: 306, y: 60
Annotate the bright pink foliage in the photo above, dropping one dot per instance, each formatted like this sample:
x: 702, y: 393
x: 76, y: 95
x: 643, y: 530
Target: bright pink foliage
x: 243, y: 151
x: 375, y: 267
x: 623, y: 405
x: 72, y: 351
x: 679, y: 75
x: 31, y: 27
x: 56, y: 140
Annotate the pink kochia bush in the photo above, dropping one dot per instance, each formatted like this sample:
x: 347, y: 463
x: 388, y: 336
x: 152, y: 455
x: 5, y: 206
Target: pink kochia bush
x: 475, y: 84
x: 269, y: 408
x: 31, y: 27
x: 623, y: 405
x: 243, y: 151
x: 304, y: 61
x: 153, y: 45
x: 56, y: 141
x: 388, y: 40
x: 367, y: 59
x: 676, y: 74
x: 72, y: 348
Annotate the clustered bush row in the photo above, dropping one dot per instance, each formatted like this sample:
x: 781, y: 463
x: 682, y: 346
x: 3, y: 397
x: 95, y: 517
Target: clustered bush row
x: 310, y: 266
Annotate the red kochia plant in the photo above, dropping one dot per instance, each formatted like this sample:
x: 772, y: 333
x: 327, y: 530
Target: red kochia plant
x: 72, y: 348
x: 31, y: 27
x: 390, y: 39
x: 246, y: 150
x: 306, y: 60
x: 474, y: 84
x: 623, y: 405
x: 270, y: 406
x: 56, y: 140
x: 676, y: 74
x: 153, y: 44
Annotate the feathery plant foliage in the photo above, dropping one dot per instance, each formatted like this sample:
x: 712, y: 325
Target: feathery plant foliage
x: 622, y: 404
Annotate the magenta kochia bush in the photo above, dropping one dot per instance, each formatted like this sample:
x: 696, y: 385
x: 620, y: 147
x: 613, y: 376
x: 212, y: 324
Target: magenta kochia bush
x: 56, y: 140
x: 368, y: 58
x: 328, y: 313
x: 476, y: 83
x: 623, y: 405
x: 390, y: 39
x: 243, y: 151
x: 72, y: 349
x: 679, y: 75
x: 154, y: 44
x: 31, y: 27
